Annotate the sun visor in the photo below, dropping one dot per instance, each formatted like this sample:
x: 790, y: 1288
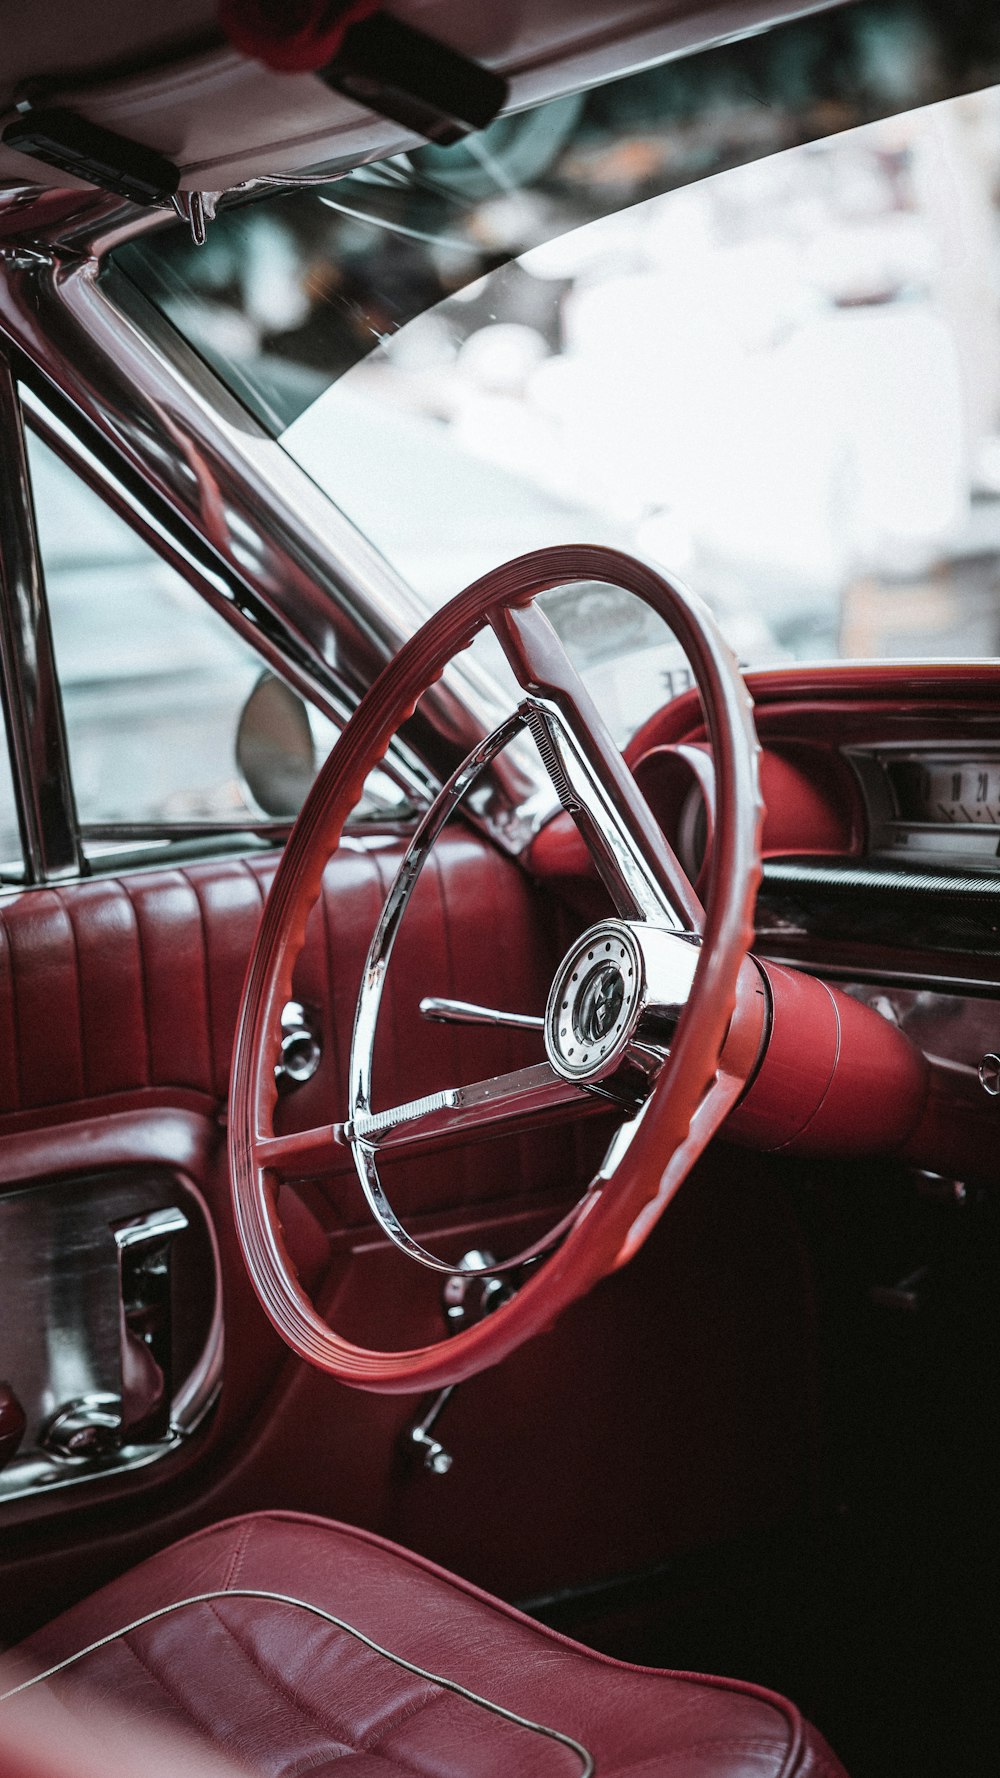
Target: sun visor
x: 97, y: 93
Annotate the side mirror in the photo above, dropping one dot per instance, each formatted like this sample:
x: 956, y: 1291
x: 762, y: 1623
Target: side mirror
x: 275, y: 750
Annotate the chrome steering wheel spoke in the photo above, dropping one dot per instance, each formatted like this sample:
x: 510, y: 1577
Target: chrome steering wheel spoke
x: 616, y: 998
x: 537, y: 1094
x: 594, y: 785
x: 484, y: 1107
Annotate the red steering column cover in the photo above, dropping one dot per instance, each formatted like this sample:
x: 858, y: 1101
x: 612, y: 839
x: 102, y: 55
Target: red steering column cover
x: 837, y: 1078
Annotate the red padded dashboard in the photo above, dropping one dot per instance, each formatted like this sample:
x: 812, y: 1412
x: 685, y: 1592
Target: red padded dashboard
x: 806, y: 717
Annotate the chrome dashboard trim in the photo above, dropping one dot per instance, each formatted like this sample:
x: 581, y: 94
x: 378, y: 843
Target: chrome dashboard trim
x: 877, y: 975
x: 839, y: 876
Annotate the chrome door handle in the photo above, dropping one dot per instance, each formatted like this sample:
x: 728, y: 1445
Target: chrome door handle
x: 143, y: 1246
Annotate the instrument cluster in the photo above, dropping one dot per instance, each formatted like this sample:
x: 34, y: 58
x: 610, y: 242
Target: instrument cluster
x: 932, y: 805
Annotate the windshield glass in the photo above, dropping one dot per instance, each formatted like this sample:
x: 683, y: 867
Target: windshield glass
x: 781, y: 382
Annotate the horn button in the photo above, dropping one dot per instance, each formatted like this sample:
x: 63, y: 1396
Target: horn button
x: 619, y: 984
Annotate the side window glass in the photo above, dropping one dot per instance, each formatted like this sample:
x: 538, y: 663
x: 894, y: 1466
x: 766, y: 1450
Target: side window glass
x: 10, y: 833
x: 153, y: 681
x: 171, y: 716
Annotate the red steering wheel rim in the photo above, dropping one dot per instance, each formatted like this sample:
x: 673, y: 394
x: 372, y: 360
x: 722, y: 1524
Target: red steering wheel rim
x: 715, y: 1046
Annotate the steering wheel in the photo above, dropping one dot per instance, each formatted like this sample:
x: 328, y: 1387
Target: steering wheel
x: 658, y: 1009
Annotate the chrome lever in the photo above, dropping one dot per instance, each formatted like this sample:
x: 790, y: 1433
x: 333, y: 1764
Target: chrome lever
x: 435, y: 1457
x: 471, y: 1293
x: 464, y: 1012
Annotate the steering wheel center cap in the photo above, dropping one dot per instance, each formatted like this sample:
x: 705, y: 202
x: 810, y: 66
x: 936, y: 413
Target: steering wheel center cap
x: 595, y: 1002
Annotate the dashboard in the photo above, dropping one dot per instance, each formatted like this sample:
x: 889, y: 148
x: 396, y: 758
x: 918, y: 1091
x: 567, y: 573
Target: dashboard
x: 881, y: 839
x: 880, y: 853
x: 873, y: 769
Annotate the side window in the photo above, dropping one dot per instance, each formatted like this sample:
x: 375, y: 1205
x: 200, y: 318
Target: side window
x: 171, y: 717
x: 153, y: 680
x: 10, y: 835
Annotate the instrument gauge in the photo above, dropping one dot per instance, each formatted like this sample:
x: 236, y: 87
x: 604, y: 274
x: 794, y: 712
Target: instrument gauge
x: 956, y: 792
x: 933, y: 806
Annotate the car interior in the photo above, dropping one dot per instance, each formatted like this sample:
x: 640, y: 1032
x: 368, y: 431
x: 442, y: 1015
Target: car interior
x: 500, y: 888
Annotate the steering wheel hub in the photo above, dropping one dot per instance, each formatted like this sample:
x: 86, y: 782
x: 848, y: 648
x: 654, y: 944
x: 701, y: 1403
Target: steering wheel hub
x: 594, y: 1001
x: 621, y: 984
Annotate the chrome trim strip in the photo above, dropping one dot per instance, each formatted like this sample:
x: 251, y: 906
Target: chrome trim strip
x: 127, y: 833
x: 886, y: 976
x: 32, y: 703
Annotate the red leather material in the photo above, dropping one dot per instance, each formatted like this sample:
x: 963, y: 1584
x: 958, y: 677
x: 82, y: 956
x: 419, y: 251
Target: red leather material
x: 723, y: 1431
x: 287, y: 1693
x: 837, y: 1078
x: 125, y: 984
x: 42, y: 1737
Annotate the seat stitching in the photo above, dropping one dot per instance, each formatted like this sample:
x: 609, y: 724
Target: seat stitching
x: 15, y: 1014
x: 278, y: 1683
x: 367, y: 1745
x: 407, y: 1714
x: 192, y: 883
x: 182, y: 1703
x: 78, y: 982
x: 143, y: 980
x: 311, y: 1764
x: 236, y: 1559
x: 433, y: 1694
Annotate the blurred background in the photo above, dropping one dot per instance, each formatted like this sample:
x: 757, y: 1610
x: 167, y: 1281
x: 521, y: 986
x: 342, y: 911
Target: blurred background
x: 693, y: 313
x: 782, y: 383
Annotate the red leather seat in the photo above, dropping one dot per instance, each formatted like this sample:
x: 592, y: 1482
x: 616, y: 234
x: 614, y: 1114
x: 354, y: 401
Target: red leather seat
x: 284, y: 1692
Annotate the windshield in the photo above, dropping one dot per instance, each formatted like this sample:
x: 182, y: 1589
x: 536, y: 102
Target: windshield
x: 781, y: 382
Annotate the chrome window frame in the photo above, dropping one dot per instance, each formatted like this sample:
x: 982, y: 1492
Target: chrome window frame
x: 137, y: 413
x: 56, y: 844
x: 32, y: 702
x: 187, y: 556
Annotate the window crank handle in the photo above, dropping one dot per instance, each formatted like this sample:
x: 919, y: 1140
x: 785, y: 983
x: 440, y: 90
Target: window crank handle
x: 435, y: 1457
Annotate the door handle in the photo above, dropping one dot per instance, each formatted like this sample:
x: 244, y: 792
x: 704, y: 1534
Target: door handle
x: 143, y: 1245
